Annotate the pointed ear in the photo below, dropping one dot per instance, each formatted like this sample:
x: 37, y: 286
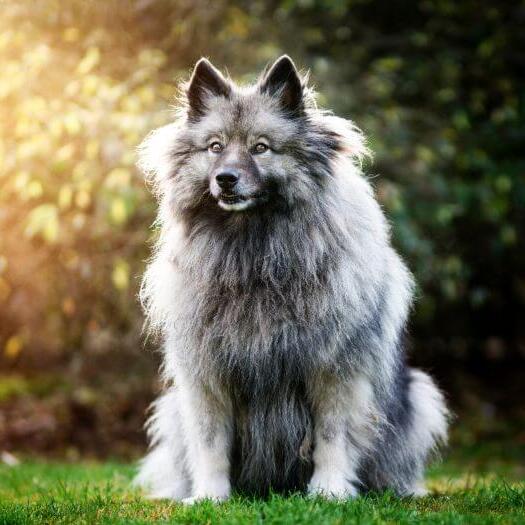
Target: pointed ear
x: 281, y: 80
x: 205, y: 81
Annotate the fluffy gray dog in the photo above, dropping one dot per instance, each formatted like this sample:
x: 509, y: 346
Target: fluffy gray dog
x: 281, y: 303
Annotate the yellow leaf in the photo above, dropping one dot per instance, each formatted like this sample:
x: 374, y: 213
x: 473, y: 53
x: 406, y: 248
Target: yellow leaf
x: 72, y: 124
x: 120, y: 275
x: 71, y: 34
x: 21, y: 180
x: 65, y: 196
x: 43, y: 220
x: 90, y: 85
x: 13, y: 347
x: 34, y: 190
x: 118, y: 211
x: 50, y: 232
x: 90, y: 60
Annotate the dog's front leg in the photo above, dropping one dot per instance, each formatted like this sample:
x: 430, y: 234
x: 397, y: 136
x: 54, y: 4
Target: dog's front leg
x: 343, y: 414
x: 207, y: 424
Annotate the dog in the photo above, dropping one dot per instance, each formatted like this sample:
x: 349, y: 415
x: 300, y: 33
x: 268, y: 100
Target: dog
x: 281, y: 304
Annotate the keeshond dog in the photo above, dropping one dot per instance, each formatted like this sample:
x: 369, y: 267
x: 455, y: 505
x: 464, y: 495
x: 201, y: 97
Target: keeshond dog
x: 281, y: 303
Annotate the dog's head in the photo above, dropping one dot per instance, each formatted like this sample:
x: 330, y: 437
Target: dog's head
x: 240, y: 150
x: 247, y: 138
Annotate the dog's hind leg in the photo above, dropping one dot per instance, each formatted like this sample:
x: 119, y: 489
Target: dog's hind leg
x: 163, y: 472
x: 344, y: 427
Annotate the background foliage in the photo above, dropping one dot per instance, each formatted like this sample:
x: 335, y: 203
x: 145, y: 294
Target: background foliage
x: 438, y: 87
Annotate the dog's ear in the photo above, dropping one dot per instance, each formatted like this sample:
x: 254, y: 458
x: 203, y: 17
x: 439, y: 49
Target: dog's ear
x: 282, y: 81
x: 205, y: 81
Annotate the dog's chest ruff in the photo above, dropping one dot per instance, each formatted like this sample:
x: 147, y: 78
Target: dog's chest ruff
x: 258, y: 341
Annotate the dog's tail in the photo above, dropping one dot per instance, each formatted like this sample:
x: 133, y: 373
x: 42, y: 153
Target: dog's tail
x: 430, y: 414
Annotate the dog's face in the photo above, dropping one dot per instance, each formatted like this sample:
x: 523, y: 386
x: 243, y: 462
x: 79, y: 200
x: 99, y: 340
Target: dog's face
x: 243, y: 149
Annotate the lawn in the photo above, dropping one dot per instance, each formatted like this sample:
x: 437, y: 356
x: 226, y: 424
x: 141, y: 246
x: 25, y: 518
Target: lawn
x: 467, y: 492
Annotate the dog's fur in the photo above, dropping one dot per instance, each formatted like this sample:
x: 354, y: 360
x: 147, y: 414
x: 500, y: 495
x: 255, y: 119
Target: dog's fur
x: 281, y: 303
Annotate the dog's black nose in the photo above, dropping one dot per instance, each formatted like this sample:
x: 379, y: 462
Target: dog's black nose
x: 226, y: 180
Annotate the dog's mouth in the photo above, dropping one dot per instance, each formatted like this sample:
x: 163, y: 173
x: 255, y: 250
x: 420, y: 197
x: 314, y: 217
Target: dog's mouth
x: 235, y: 202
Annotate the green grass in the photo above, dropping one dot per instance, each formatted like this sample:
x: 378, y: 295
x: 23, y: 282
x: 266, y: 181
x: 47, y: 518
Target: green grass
x: 48, y: 492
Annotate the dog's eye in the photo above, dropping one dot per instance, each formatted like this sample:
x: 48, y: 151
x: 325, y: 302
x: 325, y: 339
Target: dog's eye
x: 215, y: 147
x: 260, y: 148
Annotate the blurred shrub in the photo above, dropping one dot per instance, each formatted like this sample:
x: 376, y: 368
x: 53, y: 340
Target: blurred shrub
x: 74, y: 212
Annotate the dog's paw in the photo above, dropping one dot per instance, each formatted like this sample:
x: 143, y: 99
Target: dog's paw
x: 215, y: 489
x: 334, y: 487
x: 192, y: 500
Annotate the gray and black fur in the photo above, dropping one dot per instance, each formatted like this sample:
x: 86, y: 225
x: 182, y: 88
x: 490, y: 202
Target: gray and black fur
x: 281, y: 304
